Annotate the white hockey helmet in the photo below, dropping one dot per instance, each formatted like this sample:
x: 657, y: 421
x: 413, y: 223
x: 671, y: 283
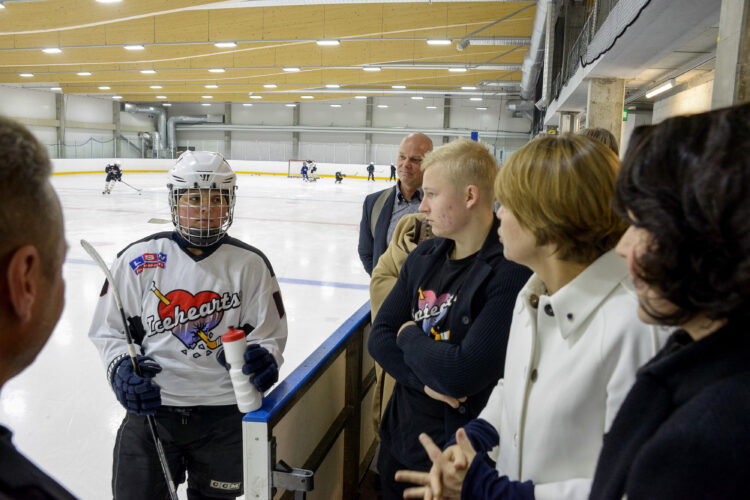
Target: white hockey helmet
x: 208, y: 171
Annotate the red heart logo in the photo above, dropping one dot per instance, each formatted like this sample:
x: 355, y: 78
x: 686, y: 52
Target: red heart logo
x: 196, y: 306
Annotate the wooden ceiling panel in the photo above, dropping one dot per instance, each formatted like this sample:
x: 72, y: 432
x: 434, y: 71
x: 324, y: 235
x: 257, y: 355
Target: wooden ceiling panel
x: 227, y: 25
x: 190, y: 26
x: 285, y: 23
x: 299, y: 54
x: 402, y: 18
x: 390, y: 51
x: 95, y: 35
x: 136, y: 31
x: 36, y: 40
x: 353, y: 20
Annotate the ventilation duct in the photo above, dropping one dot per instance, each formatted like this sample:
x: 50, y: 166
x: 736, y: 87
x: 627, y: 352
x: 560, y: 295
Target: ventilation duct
x: 161, y: 124
x: 532, y: 63
x: 174, y: 120
x: 494, y: 40
x: 520, y: 105
x: 549, y: 51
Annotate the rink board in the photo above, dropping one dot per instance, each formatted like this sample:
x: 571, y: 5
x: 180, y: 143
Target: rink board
x: 319, y: 419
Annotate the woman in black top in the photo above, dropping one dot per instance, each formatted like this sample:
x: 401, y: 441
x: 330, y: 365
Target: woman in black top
x: 684, y: 428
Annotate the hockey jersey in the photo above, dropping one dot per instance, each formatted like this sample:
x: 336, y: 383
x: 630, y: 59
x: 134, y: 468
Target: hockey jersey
x: 180, y: 304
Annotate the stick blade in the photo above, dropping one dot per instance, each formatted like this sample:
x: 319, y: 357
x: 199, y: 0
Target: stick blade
x: 155, y: 220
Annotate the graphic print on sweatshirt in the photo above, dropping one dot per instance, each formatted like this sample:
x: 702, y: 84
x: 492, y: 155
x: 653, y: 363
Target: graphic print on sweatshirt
x: 431, y: 310
x: 191, y: 318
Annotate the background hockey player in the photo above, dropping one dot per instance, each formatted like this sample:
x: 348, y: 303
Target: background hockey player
x: 371, y: 171
x: 303, y: 171
x: 313, y: 170
x: 339, y: 177
x: 114, y: 173
x: 393, y: 173
x: 181, y: 291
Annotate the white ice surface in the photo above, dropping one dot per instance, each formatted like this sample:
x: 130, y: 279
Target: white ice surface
x: 63, y: 414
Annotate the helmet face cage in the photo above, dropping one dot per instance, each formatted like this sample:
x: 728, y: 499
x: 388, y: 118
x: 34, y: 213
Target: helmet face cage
x: 202, y: 197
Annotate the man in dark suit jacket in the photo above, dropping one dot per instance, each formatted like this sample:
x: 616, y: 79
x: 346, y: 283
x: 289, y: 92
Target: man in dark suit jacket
x: 383, y: 209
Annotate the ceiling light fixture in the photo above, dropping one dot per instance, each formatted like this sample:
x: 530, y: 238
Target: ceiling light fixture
x: 55, y: 88
x: 328, y: 43
x: 458, y: 70
x: 661, y: 89
x: 307, y: 96
x: 475, y: 98
x: 290, y: 105
x: 166, y: 105
x: 468, y: 87
x: 52, y: 50
x: 84, y: 73
x: 256, y: 97
x: 116, y: 97
x: 148, y: 71
x: 360, y: 97
x: 109, y: 1
x: 291, y: 70
x: 335, y: 105
x: 431, y: 107
x: 104, y: 87
x: 134, y: 47
x: 205, y: 104
x: 155, y: 87
x: 225, y: 45
x: 333, y: 86
x: 398, y: 86
x: 371, y: 68
x: 438, y: 42
x: 2, y: 6
x: 211, y: 86
x: 216, y: 70
x: 161, y: 97
x: 270, y: 86
x: 417, y: 98
x: 207, y: 97
x: 247, y: 104
x: 482, y: 109
x: 26, y: 75
x: 382, y: 106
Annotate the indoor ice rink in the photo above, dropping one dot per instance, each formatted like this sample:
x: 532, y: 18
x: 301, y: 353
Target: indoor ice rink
x: 269, y: 84
x: 62, y: 409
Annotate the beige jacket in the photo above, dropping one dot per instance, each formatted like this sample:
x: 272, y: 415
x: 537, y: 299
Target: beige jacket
x: 410, y: 231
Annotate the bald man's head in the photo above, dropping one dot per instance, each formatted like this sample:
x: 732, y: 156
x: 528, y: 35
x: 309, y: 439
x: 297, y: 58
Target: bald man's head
x: 410, y: 155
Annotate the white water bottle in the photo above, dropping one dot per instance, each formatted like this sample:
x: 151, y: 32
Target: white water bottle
x: 248, y: 397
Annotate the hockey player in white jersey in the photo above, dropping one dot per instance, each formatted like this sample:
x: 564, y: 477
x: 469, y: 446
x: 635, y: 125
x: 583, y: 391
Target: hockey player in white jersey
x: 181, y: 291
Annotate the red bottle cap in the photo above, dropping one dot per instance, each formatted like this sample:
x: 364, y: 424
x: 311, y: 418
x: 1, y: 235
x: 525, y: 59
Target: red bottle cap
x: 233, y: 335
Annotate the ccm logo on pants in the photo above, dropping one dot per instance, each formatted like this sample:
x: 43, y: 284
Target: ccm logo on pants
x: 220, y: 485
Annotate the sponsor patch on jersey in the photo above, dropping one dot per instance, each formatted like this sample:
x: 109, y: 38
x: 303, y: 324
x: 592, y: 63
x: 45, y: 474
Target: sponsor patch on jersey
x: 148, y: 261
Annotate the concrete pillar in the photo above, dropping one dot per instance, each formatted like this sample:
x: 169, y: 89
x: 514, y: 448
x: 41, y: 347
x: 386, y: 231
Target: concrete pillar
x: 368, y: 123
x: 446, y: 117
x: 60, y: 117
x: 295, y: 135
x: 228, y: 133
x: 116, y: 132
x: 605, y: 103
x: 566, y: 122
x: 732, y: 80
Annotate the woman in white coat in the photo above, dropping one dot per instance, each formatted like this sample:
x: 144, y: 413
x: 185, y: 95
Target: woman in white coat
x: 575, y: 340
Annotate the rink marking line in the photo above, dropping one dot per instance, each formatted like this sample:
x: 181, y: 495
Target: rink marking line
x: 289, y: 281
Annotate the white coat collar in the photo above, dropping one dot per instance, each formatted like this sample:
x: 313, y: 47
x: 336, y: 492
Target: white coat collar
x: 575, y: 302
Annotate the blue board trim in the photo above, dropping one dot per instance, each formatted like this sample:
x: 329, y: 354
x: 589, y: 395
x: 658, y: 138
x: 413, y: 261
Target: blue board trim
x: 275, y: 401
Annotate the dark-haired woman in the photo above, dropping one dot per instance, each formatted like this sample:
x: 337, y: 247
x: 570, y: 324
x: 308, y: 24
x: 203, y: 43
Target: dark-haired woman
x: 684, y: 428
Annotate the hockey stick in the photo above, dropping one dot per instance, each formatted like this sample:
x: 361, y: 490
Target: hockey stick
x: 131, y: 187
x: 134, y: 359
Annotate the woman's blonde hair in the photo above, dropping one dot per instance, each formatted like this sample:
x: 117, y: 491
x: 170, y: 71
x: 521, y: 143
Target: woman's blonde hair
x: 465, y: 162
x: 560, y: 188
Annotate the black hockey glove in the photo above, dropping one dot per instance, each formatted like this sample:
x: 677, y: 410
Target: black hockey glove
x: 262, y: 365
x: 137, y: 393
